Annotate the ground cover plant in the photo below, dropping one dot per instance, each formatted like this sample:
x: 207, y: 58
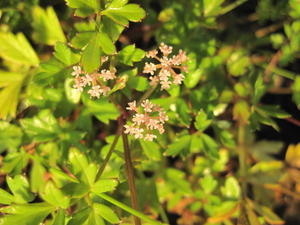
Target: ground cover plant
x: 149, y: 112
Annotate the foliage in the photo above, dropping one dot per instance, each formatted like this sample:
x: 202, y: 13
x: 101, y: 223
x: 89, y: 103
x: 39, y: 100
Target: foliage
x: 81, y: 143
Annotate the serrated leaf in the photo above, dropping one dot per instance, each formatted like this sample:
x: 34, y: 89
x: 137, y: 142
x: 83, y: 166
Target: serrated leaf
x: 138, y: 83
x: 91, y: 55
x: 11, y: 84
x: 151, y: 150
x: 101, y: 108
x: 130, y: 54
x: 76, y: 190
x: 19, y: 186
x: 25, y: 214
x: 113, y: 30
x: 64, y: 54
x: 202, y: 121
x: 10, y: 136
x: 210, y: 147
x: 106, y: 212
x: 5, y: 197
x: 80, y: 166
x: 17, y: 49
x: 42, y: 127
x: 47, y: 29
x: 37, y: 181
x: 231, y: 189
x: 121, y: 14
x: 84, y: 8
x: 54, y: 196
x: 104, y: 185
x: 15, y: 162
x: 59, y: 218
x: 178, y: 146
x: 80, y: 40
x: 106, y: 44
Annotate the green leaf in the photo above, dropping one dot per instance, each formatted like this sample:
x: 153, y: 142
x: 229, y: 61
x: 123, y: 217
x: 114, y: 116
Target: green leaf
x: 54, y: 196
x: 91, y: 55
x: 130, y: 54
x: 10, y: 136
x: 101, y: 108
x: 151, y: 150
x: 138, y: 83
x: 80, y: 217
x: 106, y: 43
x: 11, y: 84
x: 15, y: 162
x: 76, y: 190
x: 19, y: 186
x: 184, y: 112
x: 42, y: 127
x: 65, y: 54
x: 231, y: 189
x: 296, y: 91
x: 208, y: 183
x: 37, y: 173
x: 113, y: 30
x: 202, y: 122
x: 120, y: 13
x: 84, y: 8
x: 59, y: 218
x: 5, y: 197
x: 241, y: 111
x: 80, y: 166
x: 178, y: 145
x: 272, y: 110
x: 17, y: 49
x: 26, y: 214
x: 60, y: 178
x: 47, y: 29
x: 210, y: 147
x: 106, y: 212
x: 104, y: 185
x: 72, y: 94
x: 80, y: 40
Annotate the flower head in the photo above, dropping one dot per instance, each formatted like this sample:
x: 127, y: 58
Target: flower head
x: 166, y: 75
x: 97, y: 82
x: 148, y: 119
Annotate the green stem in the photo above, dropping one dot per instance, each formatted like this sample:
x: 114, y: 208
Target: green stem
x: 111, y: 150
x: 282, y: 72
x: 128, y: 209
x: 230, y: 7
x: 147, y: 94
x: 130, y: 176
x: 242, y: 158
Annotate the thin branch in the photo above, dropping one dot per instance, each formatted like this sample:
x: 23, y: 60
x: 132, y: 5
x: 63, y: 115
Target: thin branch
x: 130, y: 177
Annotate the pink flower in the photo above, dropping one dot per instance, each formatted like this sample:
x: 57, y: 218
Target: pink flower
x: 148, y: 119
x: 95, y: 91
x: 166, y: 75
x: 107, y: 74
x: 149, y: 68
x: 132, y: 106
x: 165, y: 49
x: 76, y: 71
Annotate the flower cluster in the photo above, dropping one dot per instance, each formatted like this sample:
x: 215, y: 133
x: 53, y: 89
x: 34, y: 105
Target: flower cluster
x: 166, y: 75
x: 147, y: 118
x: 95, y: 81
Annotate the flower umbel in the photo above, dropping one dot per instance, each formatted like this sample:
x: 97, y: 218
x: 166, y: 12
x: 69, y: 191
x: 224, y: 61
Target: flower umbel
x: 96, y: 82
x: 148, y: 119
x: 166, y: 75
